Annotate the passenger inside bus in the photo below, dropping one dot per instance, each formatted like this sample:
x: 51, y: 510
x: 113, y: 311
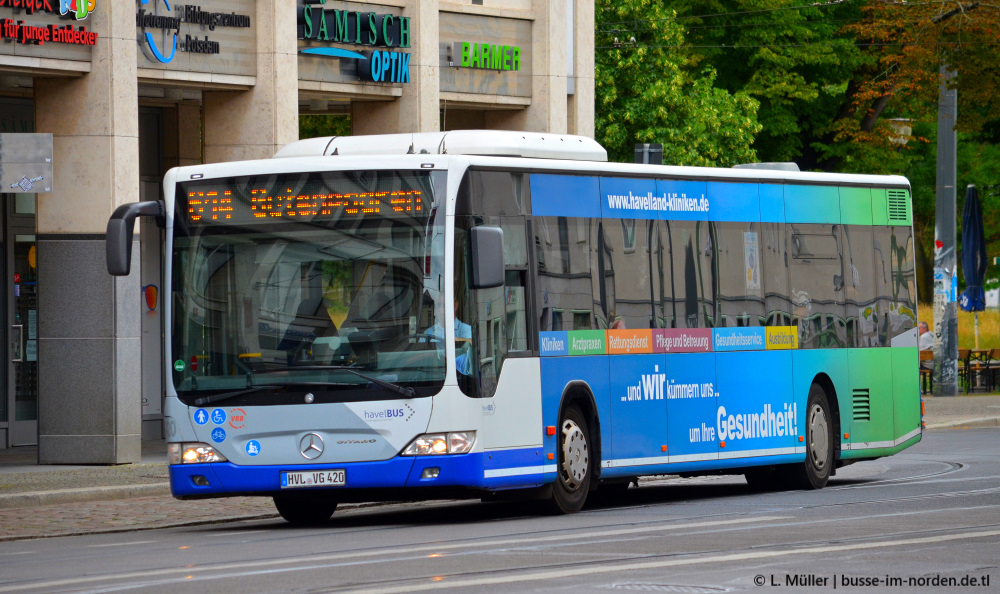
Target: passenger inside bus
x: 463, y: 337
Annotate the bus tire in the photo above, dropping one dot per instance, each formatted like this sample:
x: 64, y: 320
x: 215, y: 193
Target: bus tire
x: 574, y: 468
x: 304, y: 511
x: 820, y: 444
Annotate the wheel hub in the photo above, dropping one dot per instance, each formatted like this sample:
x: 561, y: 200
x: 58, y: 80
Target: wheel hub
x: 575, y: 454
x: 819, y: 437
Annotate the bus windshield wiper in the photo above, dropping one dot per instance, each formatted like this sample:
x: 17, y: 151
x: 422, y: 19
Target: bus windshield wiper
x: 206, y: 400
x: 387, y: 385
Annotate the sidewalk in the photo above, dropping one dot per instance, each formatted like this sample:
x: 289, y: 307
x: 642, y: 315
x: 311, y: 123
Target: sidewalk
x: 38, y: 501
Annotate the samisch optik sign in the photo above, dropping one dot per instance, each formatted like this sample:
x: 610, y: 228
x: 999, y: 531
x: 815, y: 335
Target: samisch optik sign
x: 28, y: 33
x: 319, y: 23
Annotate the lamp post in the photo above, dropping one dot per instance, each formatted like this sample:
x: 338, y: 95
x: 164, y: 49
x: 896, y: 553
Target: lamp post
x: 945, y: 262
x: 902, y: 129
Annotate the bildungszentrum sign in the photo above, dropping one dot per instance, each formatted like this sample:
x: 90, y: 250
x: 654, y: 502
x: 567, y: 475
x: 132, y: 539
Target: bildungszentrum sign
x: 159, y: 25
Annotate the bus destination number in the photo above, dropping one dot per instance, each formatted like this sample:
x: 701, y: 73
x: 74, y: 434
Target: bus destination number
x: 322, y: 478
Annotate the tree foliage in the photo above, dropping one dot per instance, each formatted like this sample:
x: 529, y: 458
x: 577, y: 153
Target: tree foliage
x: 837, y: 83
x: 319, y: 125
x: 786, y: 55
x: 904, y: 46
x: 645, y: 92
x: 834, y: 77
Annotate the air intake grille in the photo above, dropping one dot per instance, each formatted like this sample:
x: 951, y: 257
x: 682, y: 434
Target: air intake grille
x: 862, y: 405
x: 899, y: 206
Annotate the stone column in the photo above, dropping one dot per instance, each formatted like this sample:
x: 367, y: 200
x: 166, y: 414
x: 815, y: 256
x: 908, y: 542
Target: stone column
x: 580, y: 105
x: 269, y: 112
x: 417, y: 109
x: 547, y: 112
x: 88, y: 321
x: 188, y: 133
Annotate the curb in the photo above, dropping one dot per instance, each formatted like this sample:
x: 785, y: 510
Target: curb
x: 970, y: 423
x: 32, y: 499
x: 124, y: 529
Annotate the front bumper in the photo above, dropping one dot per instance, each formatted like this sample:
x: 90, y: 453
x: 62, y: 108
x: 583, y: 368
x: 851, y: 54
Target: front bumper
x: 472, y: 471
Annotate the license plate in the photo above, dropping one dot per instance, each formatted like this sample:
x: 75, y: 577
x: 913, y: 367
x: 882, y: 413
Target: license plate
x: 318, y: 478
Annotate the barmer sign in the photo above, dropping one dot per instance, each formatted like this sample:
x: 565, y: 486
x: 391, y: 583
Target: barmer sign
x: 486, y: 56
x: 354, y: 27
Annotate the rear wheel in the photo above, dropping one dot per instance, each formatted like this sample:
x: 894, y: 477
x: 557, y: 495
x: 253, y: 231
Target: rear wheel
x: 820, y: 444
x: 304, y: 511
x: 569, y: 492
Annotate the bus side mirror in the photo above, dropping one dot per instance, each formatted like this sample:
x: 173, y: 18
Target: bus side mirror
x: 118, y: 243
x: 486, y: 244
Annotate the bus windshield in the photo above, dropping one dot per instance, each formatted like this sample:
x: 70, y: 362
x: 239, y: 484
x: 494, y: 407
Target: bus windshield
x: 324, y: 283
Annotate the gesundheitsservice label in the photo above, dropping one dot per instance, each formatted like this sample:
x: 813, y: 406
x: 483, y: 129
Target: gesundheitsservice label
x: 738, y: 339
x: 666, y: 340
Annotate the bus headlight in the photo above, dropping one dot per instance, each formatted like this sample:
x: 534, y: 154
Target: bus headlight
x: 192, y: 453
x: 430, y: 444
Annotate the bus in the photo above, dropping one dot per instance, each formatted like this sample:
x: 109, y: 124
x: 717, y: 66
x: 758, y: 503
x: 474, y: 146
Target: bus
x: 495, y: 314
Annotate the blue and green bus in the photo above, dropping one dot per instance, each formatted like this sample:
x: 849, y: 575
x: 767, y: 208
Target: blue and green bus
x: 485, y: 313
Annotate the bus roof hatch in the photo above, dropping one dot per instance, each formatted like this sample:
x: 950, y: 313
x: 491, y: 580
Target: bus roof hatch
x: 504, y: 143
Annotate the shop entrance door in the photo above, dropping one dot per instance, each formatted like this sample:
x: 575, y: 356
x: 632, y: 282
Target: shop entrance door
x: 22, y: 315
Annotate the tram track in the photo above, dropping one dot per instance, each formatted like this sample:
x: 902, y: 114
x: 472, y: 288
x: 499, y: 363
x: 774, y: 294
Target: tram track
x: 766, y: 536
x: 547, y: 571
x: 950, y: 468
x: 631, y: 564
x: 540, y: 542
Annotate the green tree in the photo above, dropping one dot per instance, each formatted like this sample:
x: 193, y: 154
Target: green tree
x: 318, y: 125
x: 787, y: 55
x: 904, y: 45
x: 978, y: 160
x: 645, y: 92
x: 832, y: 77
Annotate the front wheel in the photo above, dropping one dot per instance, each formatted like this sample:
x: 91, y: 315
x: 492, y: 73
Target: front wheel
x: 820, y: 444
x: 304, y: 511
x: 573, y: 472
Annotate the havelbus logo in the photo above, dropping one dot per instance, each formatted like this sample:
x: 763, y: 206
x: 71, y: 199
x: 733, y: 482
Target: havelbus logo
x: 782, y: 337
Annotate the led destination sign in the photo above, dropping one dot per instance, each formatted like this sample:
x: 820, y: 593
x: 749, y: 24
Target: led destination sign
x: 215, y: 206
x: 241, y: 201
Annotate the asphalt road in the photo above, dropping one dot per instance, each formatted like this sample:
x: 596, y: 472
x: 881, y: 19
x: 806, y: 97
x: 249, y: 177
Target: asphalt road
x: 925, y: 517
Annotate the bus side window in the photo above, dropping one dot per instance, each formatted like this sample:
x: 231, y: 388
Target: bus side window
x: 565, y: 296
x: 631, y: 283
x: 859, y: 284
x: 692, y: 266
x: 497, y: 316
x: 740, y: 278
x: 774, y: 259
x: 817, y: 283
x: 894, y: 266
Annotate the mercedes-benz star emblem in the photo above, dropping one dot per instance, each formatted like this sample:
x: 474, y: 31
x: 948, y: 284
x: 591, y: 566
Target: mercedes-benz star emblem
x: 311, y: 446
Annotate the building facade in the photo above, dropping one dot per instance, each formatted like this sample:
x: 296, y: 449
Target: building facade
x: 127, y: 90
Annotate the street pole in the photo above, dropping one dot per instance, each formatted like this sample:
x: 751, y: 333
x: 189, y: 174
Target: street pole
x: 945, y: 273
